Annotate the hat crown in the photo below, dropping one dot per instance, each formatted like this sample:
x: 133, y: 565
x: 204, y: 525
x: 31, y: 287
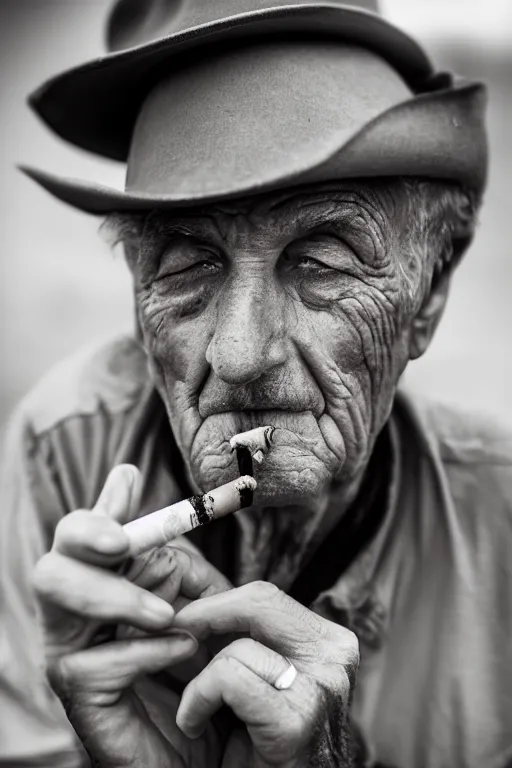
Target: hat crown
x: 138, y: 22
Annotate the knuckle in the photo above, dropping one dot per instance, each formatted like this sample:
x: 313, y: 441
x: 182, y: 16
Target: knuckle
x: 226, y: 666
x: 195, y: 696
x: 352, y: 645
x: 344, y: 638
x: 179, y: 562
x: 179, y: 558
x: 158, y: 565
x: 243, y: 648
x: 43, y: 576
x: 244, y: 645
x: 176, y: 563
x: 69, y: 524
x: 263, y: 591
x: 60, y: 675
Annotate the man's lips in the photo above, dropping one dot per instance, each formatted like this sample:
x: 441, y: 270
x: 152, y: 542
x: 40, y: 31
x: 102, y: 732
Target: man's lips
x: 256, y: 413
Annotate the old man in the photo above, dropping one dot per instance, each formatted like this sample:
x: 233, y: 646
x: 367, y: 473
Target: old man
x: 301, y: 185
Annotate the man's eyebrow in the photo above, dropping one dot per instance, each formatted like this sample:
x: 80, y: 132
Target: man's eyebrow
x: 201, y: 225
x: 338, y: 213
x: 168, y: 225
x: 345, y: 210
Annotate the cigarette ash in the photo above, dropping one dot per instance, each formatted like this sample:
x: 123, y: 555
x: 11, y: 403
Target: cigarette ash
x: 203, y: 510
x: 245, y: 489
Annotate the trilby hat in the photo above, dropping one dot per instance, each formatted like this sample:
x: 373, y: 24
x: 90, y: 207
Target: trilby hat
x: 215, y: 99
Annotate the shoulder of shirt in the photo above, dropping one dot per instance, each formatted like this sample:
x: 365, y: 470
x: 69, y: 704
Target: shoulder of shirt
x: 108, y: 376
x: 460, y: 435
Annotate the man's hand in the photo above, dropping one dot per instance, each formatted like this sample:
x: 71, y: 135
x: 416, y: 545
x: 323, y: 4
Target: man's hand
x: 124, y: 716
x: 303, y: 725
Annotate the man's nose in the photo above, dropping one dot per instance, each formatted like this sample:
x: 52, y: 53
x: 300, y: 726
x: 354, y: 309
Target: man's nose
x: 249, y: 337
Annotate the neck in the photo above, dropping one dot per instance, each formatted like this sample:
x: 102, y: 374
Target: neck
x: 276, y: 540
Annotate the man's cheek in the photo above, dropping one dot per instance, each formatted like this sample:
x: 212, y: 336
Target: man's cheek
x: 175, y: 343
x: 376, y: 320
x: 351, y: 350
x: 176, y: 356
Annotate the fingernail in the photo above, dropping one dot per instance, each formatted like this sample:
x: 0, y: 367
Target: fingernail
x: 156, y: 609
x: 183, y: 634
x: 188, y: 643
x: 130, y: 473
x: 117, y: 492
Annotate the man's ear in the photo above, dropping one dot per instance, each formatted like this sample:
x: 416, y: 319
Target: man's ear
x: 131, y: 251
x: 430, y: 313
x: 432, y: 308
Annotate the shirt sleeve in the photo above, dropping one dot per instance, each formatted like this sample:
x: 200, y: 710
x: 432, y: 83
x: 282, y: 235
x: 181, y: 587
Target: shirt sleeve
x: 34, y: 730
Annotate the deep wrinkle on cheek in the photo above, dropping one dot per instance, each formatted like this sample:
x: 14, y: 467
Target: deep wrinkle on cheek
x: 360, y: 316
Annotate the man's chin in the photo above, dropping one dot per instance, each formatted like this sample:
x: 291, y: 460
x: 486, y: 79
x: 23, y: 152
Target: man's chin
x: 297, y: 469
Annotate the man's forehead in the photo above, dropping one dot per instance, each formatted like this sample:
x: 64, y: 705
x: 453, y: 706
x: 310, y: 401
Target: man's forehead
x: 291, y: 204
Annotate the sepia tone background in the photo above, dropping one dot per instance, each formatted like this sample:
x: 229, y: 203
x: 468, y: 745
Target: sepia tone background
x: 61, y: 287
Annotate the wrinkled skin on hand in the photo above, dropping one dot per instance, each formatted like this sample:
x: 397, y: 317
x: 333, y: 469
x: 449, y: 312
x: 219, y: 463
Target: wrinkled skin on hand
x: 177, y: 615
x: 294, y: 310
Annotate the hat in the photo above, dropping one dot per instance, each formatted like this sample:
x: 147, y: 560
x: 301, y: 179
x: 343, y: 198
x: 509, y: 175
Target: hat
x: 208, y: 100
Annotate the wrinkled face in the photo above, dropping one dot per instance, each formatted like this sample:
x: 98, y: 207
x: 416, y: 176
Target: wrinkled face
x: 293, y: 311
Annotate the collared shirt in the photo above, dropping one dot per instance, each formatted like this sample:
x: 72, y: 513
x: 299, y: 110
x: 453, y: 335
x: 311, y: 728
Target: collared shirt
x: 430, y: 597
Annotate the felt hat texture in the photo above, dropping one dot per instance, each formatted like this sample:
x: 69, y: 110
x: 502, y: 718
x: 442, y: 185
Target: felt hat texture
x: 212, y: 100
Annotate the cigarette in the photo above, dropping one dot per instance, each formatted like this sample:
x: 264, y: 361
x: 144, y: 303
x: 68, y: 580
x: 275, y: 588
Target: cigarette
x: 256, y: 441
x: 164, y: 525
x: 160, y: 527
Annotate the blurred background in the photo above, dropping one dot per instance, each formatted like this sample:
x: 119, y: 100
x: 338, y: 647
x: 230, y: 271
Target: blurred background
x: 61, y: 286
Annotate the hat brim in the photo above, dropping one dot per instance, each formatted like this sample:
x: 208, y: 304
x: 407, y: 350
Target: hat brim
x: 420, y: 137
x: 95, y: 105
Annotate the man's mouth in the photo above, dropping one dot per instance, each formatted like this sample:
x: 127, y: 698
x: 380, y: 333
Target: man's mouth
x: 253, y: 411
x: 299, y: 463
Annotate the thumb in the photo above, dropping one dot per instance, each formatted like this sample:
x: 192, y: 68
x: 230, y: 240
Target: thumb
x: 121, y: 494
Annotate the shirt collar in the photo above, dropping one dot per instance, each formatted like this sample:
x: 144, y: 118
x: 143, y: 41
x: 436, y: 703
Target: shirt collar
x: 353, y: 600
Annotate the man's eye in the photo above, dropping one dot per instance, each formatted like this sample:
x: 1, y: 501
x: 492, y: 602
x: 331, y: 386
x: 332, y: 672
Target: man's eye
x: 318, y: 254
x: 297, y: 261
x: 186, y: 258
x: 205, y: 266
x: 306, y: 262
x: 194, y: 269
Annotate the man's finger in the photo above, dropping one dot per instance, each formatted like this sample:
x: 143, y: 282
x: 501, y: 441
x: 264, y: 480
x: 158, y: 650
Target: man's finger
x: 112, y: 722
x: 170, y: 571
x: 204, y: 695
x: 120, y: 497
x: 261, y: 610
x: 277, y: 621
x: 244, y: 676
x: 113, y: 667
x: 92, y: 592
x: 263, y: 661
x: 91, y: 538
x: 227, y: 681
